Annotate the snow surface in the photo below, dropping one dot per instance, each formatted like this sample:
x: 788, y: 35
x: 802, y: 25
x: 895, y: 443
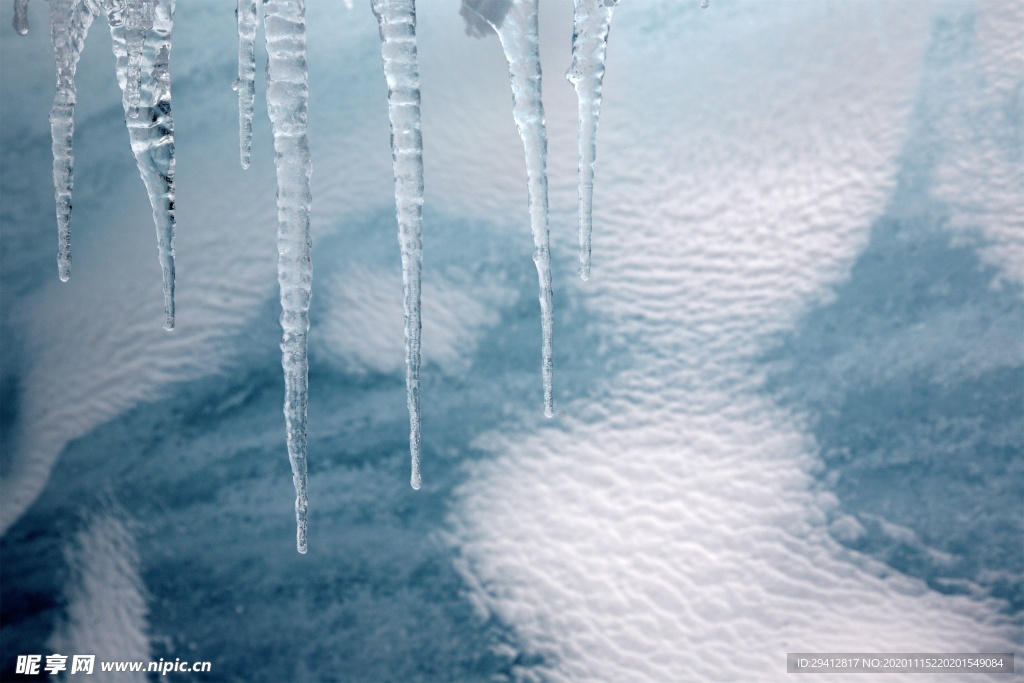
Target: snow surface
x: 789, y: 395
x: 104, y: 589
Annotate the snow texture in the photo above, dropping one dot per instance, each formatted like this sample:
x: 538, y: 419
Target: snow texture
x: 699, y: 517
x: 105, y: 595
x: 69, y: 24
x: 287, y: 99
x: 246, y: 83
x: 397, y: 21
x: 515, y: 22
x: 983, y: 180
x: 358, y: 329
x: 151, y: 134
x: 592, y: 20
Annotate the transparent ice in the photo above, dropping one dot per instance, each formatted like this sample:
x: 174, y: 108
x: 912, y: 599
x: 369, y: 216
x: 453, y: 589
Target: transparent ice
x: 397, y: 20
x: 141, y: 32
x: 151, y: 130
x: 69, y: 24
x: 287, y: 102
x: 138, y: 22
x: 591, y: 22
x: 245, y: 86
x: 515, y: 22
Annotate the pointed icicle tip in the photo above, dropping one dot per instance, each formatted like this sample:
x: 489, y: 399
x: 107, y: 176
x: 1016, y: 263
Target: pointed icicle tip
x: 301, y: 518
x: 300, y: 542
x: 287, y: 103
x: 591, y: 26
x: 20, y: 21
x: 69, y: 25
x: 151, y: 129
x: 397, y: 22
x: 515, y: 22
x: 704, y: 4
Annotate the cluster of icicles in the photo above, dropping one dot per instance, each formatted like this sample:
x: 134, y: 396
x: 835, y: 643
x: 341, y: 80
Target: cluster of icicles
x: 141, y: 33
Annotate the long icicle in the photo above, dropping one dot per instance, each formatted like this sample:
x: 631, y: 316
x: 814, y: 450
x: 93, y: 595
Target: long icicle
x: 517, y: 30
x: 20, y: 20
x: 69, y: 24
x: 245, y: 14
x: 287, y: 101
x: 152, y: 134
x: 591, y: 23
x: 397, y: 21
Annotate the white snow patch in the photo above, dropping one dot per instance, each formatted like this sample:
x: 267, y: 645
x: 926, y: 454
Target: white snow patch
x: 359, y: 327
x: 676, y: 534
x: 981, y: 175
x: 106, y: 613
x: 687, y: 546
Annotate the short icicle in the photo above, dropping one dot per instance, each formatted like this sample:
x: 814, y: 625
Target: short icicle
x: 397, y: 20
x: 287, y: 101
x: 152, y: 133
x: 515, y: 22
x: 591, y: 23
x: 69, y: 24
x: 246, y: 83
x: 20, y: 20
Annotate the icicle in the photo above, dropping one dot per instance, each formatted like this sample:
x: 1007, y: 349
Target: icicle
x: 20, y: 21
x: 69, y: 23
x: 246, y: 83
x: 397, y: 20
x: 138, y: 22
x: 704, y: 4
x: 591, y: 23
x: 287, y: 96
x: 152, y: 135
x: 515, y: 22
